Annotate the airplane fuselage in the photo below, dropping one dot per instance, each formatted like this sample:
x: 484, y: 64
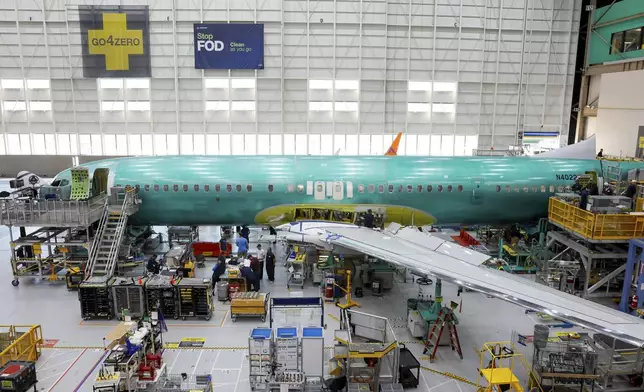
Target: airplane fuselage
x: 208, y: 190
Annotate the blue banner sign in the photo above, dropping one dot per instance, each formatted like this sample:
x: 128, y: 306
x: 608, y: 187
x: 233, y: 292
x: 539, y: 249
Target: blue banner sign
x: 229, y: 46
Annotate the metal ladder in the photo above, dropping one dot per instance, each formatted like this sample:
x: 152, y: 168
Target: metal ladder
x: 443, y: 319
x: 105, y: 248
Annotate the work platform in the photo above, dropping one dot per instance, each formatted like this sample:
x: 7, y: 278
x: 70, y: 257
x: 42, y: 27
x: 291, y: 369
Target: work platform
x: 590, y: 250
x: 64, y: 240
x: 595, y: 228
x: 51, y: 213
x: 596, y: 265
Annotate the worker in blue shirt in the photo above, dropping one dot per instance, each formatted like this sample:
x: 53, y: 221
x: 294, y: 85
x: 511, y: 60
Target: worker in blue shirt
x: 245, y: 232
x: 242, y: 246
x: 251, y: 278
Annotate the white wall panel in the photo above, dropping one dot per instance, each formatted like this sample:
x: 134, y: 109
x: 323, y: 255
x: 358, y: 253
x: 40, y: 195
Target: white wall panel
x: 512, y: 62
x: 619, y: 113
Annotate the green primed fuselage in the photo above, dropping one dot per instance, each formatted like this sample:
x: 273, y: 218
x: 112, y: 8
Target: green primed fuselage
x: 474, y: 189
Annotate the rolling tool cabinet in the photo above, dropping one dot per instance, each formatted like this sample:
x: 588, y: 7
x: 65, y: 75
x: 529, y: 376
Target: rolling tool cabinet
x: 129, y: 296
x: 95, y: 297
x: 195, y: 298
x: 161, y: 296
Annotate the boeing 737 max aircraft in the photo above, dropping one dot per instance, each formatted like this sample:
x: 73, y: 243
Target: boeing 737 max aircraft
x: 211, y: 190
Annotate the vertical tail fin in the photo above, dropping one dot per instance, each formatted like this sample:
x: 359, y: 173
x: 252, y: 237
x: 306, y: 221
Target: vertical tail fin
x: 392, y: 151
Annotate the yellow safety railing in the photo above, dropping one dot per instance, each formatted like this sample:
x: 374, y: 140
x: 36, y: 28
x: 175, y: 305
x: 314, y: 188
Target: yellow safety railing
x: 20, y: 343
x: 595, y: 226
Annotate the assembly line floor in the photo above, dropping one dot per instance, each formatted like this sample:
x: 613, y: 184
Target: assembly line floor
x: 71, y: 364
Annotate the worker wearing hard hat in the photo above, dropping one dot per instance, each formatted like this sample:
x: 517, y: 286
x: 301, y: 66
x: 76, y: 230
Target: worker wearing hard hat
x: 631, y: 191
x: 608, y: 191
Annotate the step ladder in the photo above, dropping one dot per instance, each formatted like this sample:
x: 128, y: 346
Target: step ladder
x: 105, y: 249
x: 445, y: 319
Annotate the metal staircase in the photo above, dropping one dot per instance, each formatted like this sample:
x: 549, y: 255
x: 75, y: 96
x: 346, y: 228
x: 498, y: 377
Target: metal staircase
x: 105, y: 249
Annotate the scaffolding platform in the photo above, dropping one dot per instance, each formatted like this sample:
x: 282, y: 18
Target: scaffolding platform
x: 570, y: 259
x: 595, y: 228
x: 48, y: 252
x: 51, y: 213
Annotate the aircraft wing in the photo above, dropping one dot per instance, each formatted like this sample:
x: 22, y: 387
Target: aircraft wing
x: 427, y: 254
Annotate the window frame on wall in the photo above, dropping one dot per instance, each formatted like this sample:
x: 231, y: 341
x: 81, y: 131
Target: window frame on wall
x: 620, y: 47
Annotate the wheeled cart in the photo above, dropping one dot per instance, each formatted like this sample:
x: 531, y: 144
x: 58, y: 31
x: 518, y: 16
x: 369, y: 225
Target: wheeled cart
x: 260, y: 357
x: 250, y: 304
x: 296, y: 271
x: 195, y: 298
x: 18, y: 376
x: 221, y: 288
x: 161, y: 295
x: 129, y: 296
x: 95, y: 296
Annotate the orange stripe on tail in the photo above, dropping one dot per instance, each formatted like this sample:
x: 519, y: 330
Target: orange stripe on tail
x: 393, y: 149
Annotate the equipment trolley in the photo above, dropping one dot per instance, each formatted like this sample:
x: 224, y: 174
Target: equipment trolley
x: 249, y: 304
x: 161, y: 295
x: 296, y: 270
x: 129, y: 296
x: 95, y: 296
x: 18, y: 376
x: 260, y: 357
x: 195, y: 298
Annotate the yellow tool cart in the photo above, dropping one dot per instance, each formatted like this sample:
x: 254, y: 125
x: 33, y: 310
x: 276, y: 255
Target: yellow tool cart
x: 74, y: 277
x: 250, y: 304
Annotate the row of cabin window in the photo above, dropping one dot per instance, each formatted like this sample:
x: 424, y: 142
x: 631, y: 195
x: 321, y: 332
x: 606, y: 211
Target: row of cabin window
x: 534, y: 188
x: 206, y: 188
x: 361, y: 188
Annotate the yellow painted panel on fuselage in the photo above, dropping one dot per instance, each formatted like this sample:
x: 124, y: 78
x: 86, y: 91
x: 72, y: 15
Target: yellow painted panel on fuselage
x: 287, y: 213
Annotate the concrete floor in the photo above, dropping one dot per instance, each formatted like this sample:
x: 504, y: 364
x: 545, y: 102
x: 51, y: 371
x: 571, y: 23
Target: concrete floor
x: 65, y: 367
x: 71, y: 364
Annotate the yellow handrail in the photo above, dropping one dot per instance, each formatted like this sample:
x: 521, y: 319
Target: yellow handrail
x: 595, y: 226
x: 25, y: 346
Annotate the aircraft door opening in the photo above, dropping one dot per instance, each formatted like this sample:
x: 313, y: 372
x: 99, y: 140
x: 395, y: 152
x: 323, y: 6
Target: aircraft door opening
x: 338, y: 190
x: 100, y: 180
x: 319, y: 191
x: 477, y: 185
